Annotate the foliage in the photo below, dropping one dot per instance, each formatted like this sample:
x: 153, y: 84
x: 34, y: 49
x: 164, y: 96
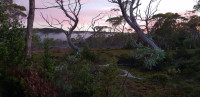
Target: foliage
x: 46, y: 65
x: 36, y: 85
x: 36, y: 41
x: 83, y: 80
x: 182, y: 53
x: 48, y: 62
x: 197, y: 6
x: 126, y: 59
x: 115, y: 21
x: 195, y: 92
x: 89, y: 55
x: 158, y: 78
x: 79, y: 78
x: 11, y: 58
x: 107, y: 40
x: 173, y: 71
x: 150, y: 57
x: 11, y: 11
x: 172, y: 32
x: 129, y: 45
x: 107, y: 82
x: 11, y: 86
x: 11, y: 43
x: 165, y: 63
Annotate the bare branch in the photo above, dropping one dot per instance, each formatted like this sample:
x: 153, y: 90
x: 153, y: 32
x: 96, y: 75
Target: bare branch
x: 48, y: 7
x: 48, y: 22
x: 149, y: 13
x: 71, y: 11
x: 131, y: 18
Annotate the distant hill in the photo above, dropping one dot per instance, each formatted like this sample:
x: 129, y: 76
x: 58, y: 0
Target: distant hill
x: 53, y: 30
x: 48, y: 30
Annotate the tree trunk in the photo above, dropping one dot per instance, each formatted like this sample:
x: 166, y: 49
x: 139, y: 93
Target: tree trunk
x: 144, y: 37
x: 140, y: 33
x: 72, y: 44
x: 29, y: 29
x: 131, y: 20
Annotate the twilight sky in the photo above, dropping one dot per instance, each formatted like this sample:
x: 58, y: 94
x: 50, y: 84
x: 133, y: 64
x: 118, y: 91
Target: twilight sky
x: 92, y: 8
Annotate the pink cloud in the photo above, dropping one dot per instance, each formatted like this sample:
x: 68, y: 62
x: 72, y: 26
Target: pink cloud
x: 88, y: 12
x: 85, y: 17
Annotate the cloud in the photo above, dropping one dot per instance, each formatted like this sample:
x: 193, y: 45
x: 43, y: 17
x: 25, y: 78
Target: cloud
x: 85, y: 16
x: 90, y: 9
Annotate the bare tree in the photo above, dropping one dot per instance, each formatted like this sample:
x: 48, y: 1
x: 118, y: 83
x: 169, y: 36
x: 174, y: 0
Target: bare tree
x: 129, y: 9
x: 96, y: 29
x: 29, y: 29
x: 149, y: 13
x: 71, y: 9
x: 93, y: 26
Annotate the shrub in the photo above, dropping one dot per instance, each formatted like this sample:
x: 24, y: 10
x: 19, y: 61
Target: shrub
x: 47, y: 66
x: 195, y: 92
x: 48, y: 62
x: 11, y: 43
x: 82, y: 79
x: 36, y: 41
x: 166, y: 62
x: 173, y: 71
x: 36, y: 86
x: 197, y: 78
x: 150, y: 57
x: 89, y: 55
x: 183, y: 54
x: 129, y: 45
x: 126, y: 59
x: 11, y: 86
x: 11, y: 57
x: 158, y: 78
x: 107, y: 82
x: 79, y: 78
x: 75, y: 77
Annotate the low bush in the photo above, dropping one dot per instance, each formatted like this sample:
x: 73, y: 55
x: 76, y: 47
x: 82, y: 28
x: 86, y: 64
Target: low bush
x: 12, y: 86
x: 82, y: 79
x: 11, y: 58
x: 125, y: 59
x: 36, y: 85
x: 195, y: 92
x: 48, y: 62
x: 150, y: 57
x: 183, y: 54
x: 11, y: 43
x: 158, y: 78
x: 129, y: 45
x: 107, y: 82
x: 79, y: 78
x: 89, y: 55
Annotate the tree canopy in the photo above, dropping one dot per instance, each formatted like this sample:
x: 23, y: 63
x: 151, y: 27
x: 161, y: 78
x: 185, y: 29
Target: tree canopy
x: 10, y: 11
x: 197, y: 6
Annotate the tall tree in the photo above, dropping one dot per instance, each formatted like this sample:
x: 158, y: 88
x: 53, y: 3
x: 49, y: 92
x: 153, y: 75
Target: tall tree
x: 170, y: 30
x: 29, y: 29
x: 11, y: 33
x: 197, y: 6
x: 117, y: 21
x: 128, y: 8
x: 11, y: 11
x: 193, y: 25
